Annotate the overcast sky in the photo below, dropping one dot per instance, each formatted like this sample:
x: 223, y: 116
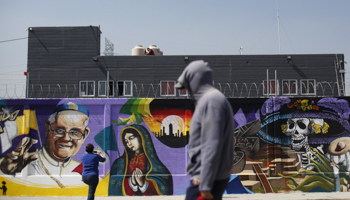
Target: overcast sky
x: 197, y: 27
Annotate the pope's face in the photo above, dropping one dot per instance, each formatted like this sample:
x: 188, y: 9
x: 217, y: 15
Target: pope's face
x: 132, y: 142
x: 62, y: 148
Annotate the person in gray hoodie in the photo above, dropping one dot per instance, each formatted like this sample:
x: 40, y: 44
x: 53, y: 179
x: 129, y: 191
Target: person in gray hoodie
x: 211, y: 140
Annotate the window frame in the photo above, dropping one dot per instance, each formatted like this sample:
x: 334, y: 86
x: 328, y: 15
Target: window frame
x: 289, y: 84
x: 183, y: 95
x: 87, y: 88
x: 307, y: 89
x: 124, y: 88
x: 161, y: 89
x: 276, y: 89
x: 105, y: 92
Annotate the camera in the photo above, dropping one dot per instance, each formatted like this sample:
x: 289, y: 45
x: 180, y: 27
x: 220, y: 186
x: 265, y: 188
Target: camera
x: 95, y: 152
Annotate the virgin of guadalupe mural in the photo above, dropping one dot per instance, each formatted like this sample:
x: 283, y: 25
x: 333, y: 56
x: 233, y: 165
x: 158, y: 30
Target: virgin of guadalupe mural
x: 139, y: 171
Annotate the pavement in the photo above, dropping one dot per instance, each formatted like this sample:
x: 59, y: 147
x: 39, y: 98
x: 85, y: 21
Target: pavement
x: 275, y: 196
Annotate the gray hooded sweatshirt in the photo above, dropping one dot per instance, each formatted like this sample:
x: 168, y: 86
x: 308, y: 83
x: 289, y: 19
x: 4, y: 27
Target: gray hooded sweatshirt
x: 211, y: 142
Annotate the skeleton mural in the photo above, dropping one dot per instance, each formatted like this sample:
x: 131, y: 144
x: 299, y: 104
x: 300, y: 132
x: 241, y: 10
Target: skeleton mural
x: 299, y: 129
x: 304, y: 123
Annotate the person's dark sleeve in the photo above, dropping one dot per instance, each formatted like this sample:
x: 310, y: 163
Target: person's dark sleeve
x: 211, y: 145
x: 100, y: 159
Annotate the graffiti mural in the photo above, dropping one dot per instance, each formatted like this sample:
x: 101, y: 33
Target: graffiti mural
x: 46, y: 155
x: 281, y: 145
x: 303, y: 145
x: 139, y: 171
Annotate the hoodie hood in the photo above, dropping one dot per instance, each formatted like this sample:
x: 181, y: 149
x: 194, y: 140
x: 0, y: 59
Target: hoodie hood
x: 197, y: 78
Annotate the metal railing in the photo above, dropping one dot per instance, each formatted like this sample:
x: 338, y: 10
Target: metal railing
x: 230, y: 90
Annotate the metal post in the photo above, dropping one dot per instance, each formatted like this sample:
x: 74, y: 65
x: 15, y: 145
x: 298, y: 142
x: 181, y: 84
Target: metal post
x: 267, y: 83
x: 27, y: 84
x: 276, y: 83
x: 279, y: 36
x: 108, y: 84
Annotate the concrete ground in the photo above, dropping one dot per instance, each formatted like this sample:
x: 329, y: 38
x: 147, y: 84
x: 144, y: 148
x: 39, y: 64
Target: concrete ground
x: 278, y: 196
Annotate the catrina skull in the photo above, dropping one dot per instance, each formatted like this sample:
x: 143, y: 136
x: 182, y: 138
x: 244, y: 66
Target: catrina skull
x: 299, y: 130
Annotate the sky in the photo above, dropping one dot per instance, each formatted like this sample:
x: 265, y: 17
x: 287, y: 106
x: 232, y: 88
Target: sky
x: 192, y: 27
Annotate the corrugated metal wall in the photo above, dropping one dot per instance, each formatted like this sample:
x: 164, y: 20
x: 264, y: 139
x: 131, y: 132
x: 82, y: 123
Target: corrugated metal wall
x: 60, y: 57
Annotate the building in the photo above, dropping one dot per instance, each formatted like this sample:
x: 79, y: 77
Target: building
x: 65, y: 62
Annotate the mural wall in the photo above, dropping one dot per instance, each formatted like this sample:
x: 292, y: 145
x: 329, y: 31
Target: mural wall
x: 282, y: 145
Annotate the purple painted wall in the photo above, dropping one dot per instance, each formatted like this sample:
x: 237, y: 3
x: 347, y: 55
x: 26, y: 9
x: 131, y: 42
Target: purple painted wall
x: 296, y: 143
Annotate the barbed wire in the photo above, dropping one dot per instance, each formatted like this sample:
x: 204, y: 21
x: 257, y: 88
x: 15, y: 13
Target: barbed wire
x: 230, y: 90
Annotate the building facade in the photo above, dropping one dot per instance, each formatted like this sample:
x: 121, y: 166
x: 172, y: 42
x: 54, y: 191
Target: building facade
x: 66, y: 62
x: 295, y: 142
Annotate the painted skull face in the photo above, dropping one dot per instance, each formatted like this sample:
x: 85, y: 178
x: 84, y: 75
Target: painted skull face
x: 299, y: 129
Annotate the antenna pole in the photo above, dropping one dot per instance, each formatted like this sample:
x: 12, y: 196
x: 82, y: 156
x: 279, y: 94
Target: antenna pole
x: 279, y: 36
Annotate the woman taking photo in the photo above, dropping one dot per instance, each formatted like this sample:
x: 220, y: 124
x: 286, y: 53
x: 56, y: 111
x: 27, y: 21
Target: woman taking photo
x: 90, y: 169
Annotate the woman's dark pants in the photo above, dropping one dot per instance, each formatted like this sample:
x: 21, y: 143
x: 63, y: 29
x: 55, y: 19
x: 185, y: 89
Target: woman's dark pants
x: 218, y: 189
x: 92, y: 181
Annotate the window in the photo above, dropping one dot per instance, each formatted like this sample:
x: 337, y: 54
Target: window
x: 87, y: 88
x: 183, y: 92
x: 289, y: 87
x: 308, y: 86
x: 102, y: 88
x: 124, y: 88
x: 272, y: 87
x: 167, y: 88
